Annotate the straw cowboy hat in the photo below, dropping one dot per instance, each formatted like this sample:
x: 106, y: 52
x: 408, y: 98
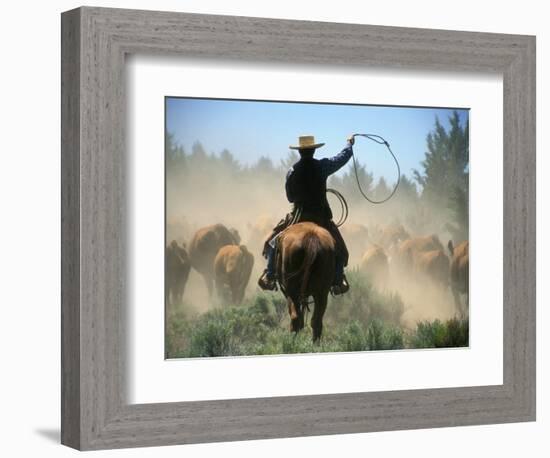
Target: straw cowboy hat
x: 306, y: 142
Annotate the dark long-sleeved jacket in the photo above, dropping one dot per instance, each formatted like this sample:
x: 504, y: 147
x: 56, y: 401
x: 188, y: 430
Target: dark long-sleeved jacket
x: 306, y: 182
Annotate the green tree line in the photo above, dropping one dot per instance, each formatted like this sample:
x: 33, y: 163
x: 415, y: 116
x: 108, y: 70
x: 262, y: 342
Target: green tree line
x: 436, y: 191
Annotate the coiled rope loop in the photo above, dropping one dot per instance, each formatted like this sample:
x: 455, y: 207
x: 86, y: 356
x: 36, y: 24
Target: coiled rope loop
x: 381, y: 141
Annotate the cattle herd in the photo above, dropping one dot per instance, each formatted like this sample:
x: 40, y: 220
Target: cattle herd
x: 380, y: 253
x: 419, y: 259
x: 214, y: 252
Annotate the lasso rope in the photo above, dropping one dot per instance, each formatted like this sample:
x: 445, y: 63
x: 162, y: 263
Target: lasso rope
x: 381, y: 141
x: 343, y: 206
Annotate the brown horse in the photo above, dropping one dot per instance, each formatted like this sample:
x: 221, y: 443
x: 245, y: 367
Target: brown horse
x: 305, y: 267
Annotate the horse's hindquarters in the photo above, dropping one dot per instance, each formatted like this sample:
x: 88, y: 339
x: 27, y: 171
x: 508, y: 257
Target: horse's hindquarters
x: 306, y: 268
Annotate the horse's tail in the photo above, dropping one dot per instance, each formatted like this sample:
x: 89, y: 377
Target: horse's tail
x: 311, y: 246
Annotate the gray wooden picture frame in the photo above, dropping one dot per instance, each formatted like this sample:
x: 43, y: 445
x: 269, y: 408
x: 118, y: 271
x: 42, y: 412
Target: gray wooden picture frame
x: 95, y: 412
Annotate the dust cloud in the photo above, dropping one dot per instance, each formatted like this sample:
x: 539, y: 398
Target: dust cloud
x: 204, y: 189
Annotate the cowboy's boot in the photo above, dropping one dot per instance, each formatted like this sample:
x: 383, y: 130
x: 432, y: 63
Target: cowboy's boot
x: 340, y: 285
x: 267, y: 282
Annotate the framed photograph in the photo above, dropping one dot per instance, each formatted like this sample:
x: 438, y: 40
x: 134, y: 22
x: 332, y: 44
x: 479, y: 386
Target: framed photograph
x: 276, y: 228
x: 400, y: 278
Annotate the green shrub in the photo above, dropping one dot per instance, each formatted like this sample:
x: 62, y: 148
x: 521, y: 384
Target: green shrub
x: 228, y: 331
x: 297, y: 343
x: 368, y: 320
x: 437, y: 334
x: 365, y: 303
x: 384, y: 337
x: 352, y: 337
x: 458, y: 333
x: 176, y: 330
x: 211, y: 337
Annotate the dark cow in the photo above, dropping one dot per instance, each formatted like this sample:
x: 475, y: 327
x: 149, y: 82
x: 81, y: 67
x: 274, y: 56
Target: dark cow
x: 434, y: 265
x: 232, y: 268
x: 374, y: 264
x: 460, y: 274
x: 177, y: 266
x: 204, y: 247
x: 403, y: 254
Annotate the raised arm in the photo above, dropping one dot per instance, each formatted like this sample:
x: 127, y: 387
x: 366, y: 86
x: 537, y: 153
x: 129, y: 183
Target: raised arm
x: 333, y: 164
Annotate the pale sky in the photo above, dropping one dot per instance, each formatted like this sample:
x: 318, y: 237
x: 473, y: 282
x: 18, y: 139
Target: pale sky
x: 251, y: 129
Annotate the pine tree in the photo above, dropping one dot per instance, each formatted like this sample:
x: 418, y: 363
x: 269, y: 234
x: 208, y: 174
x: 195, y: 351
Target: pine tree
x: 264, y: 165
x: 347, y: 182
x: 406, y: 192
x: 445, y: 172
x: 381, y: 191
x: 458, y: 204
x: 291, y: 158
x: 198, y: 153
x: 175, y: 155
x: 228, y: 161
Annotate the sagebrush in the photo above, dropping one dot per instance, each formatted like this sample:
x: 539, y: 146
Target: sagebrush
x: 363, y: 320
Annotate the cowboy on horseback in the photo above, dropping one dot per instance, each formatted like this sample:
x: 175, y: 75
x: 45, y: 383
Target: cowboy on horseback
x: 306, y: 188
